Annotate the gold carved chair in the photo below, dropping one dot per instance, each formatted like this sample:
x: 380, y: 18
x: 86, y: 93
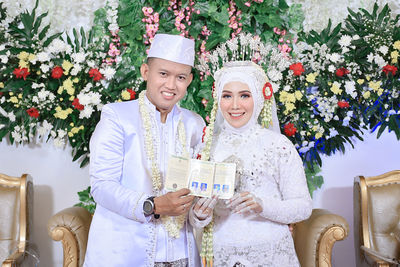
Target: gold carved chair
x: 314, y: 238
x: 377, y: 220
x: 16, y: 202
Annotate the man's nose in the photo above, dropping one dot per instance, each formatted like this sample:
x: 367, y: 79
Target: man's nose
x: 171, y: 83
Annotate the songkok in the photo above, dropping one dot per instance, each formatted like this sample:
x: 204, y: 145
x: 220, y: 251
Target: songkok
x: 174, y: 48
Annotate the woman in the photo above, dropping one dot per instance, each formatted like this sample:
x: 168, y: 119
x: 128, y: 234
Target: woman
x: 251, y: 229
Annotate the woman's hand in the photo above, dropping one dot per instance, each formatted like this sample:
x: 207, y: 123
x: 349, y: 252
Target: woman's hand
x: 204, y: 207
x: 245, y: 202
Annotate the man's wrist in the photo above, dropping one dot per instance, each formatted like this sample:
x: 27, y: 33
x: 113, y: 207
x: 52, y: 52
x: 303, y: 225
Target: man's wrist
x: 149, y: 207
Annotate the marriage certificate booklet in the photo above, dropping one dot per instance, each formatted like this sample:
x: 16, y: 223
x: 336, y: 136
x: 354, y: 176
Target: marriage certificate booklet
x: 203, y: 178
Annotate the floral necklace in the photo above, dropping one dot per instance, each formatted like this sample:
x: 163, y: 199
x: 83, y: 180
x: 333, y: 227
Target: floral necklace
x: 173, y: 225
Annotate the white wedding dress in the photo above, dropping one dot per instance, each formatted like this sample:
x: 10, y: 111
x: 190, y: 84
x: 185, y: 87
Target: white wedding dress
x: 271, y: 169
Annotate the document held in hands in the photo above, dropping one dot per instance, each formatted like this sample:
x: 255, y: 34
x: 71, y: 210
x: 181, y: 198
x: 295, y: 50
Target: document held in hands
x: 203, y: 178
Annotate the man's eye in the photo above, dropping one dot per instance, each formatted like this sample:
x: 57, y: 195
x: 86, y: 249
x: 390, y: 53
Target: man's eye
x: 163, y: 73
x: 181, y: 78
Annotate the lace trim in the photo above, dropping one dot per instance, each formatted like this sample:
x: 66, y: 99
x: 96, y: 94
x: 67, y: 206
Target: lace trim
x: 151, y: 243
x: 134, y: 208
x: 178, y: 263
x: 281, y: 254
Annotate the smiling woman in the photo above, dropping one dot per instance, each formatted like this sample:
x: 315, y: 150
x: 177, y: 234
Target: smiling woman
x: 236, y: 103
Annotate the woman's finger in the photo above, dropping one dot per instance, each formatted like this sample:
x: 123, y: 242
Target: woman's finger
x: 244, y: 205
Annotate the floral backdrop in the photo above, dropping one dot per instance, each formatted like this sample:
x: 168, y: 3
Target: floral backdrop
x: 332, y: 84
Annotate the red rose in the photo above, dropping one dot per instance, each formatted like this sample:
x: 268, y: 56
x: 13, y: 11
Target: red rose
x: 57, y: 72
x: 77, y: 105
x: 21, y: 73
x: 33, y: 112
x: 267, y: 92
x: 132, y: 93
x: 341, y: 72
x: 198, y: 156
x: 1, y: 94
x: 95, y: 73
x: 297, y: 69
x: 289, y: 129
x: 343, y: 104
x: 390, y: 68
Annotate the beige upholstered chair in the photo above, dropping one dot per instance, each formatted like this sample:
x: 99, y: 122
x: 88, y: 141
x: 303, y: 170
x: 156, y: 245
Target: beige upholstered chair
x: 377, y: 220
x: 16, y: 202
x: 314, y: 238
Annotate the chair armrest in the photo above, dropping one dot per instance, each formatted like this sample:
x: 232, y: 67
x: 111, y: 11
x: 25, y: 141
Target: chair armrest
x: 14, y: 259
x: 71, y: 227
x: 376, y: 258
x: 314, y: 238
x: 27, y: 256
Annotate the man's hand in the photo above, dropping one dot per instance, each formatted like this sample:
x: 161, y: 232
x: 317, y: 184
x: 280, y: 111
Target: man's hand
x: 173, y: 203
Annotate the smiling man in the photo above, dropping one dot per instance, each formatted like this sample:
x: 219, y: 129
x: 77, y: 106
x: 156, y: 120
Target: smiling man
x: 138, y: 223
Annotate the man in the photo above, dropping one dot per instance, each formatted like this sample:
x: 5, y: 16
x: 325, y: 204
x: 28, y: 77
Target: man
x: 137, y: 223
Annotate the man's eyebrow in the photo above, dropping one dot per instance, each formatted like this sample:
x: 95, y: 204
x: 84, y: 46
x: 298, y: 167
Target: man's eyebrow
x: 167, y: 71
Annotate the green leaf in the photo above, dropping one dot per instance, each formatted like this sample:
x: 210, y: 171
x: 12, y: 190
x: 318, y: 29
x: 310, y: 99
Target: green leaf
x: 43, y: 32
x: 381, y: 129
x: 38, y: 22
x: 283, y: 5
x: 51, y: 38
x: 76, y: 40
x: 83, y: 36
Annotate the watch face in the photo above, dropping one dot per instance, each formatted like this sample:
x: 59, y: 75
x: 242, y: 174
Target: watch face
x: 148, y: 207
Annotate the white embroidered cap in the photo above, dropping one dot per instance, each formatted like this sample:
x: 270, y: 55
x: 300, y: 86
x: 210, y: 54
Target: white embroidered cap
x: 174, y: 48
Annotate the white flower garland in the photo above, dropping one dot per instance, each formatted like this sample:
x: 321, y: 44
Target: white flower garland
x: 173, y: 225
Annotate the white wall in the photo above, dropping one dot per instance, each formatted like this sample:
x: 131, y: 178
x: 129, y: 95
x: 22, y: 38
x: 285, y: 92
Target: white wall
x: 57, y: 180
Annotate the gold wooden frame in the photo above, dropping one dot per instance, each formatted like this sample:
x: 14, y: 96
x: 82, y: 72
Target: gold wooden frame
x: 333, y: 234
x: 21, y: 183
x: 365, y: 182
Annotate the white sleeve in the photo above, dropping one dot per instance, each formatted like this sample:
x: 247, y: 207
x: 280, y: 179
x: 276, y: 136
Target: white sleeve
x: 295, y: 203
x: 106, y: 165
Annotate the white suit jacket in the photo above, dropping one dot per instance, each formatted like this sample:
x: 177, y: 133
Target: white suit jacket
x: 120, y: 234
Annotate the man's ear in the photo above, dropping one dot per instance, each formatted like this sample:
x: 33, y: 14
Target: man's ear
x: 144, y: 71
x: 190, y: 78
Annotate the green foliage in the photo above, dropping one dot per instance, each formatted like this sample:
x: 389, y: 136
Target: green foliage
x: 86, y: 200
x: 314, y: 181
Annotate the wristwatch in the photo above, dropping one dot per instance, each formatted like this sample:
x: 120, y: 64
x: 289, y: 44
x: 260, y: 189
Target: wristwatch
x: 149, y: 207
